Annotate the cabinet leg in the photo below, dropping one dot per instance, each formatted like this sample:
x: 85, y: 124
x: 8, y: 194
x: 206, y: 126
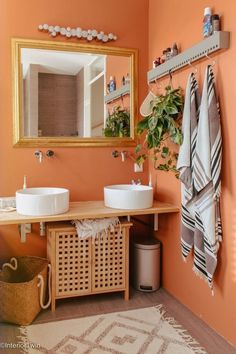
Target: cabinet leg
x: 126, y: 294
x: 53, y: 304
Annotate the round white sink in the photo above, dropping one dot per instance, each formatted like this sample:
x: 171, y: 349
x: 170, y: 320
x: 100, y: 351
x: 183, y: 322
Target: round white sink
x: 128, y: 196
x: 42, y: 201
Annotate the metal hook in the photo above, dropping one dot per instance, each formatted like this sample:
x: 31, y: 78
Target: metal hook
x: 122, y: 101
x: 170, y: 76
x: 212, y: 61
x: 195, y: 68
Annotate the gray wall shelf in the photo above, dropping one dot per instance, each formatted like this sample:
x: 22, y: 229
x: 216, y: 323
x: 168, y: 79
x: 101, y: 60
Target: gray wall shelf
x: 122, y: 91
x: 216, y: 42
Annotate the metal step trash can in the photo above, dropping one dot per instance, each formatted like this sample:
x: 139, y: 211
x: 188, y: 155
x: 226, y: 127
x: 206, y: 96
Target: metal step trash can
x: 146, y: 264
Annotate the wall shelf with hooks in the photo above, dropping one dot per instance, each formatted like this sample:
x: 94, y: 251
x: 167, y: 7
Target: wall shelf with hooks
x: 122, y: 91
x: 216, y: 42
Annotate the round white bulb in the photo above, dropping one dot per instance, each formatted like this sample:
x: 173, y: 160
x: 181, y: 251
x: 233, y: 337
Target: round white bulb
x: 110, y: 36
x: 57, y: 28
x: 102, y: 33
x: 68, y: 29
x: 90, y: 37
x: 73, y: 32
x: 84, y: 34
x: 50, y: 29
x: 99, y: 36
x: 79, y: 29
x: 68, y: 34
x: 40, y: 27
x: 89, y: 31
x: 45, y: 26
x: 94, y: 33
x: 53, y: 34
x: 105, y: 38
x: 63, y: 31
x: 115, y: 38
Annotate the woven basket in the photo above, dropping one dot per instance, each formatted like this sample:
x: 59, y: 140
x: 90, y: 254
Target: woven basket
x: 19, y: 290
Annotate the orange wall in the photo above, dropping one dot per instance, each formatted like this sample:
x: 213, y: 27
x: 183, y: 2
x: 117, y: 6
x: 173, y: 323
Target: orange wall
x: 181, y: 22
x: 83, y: 170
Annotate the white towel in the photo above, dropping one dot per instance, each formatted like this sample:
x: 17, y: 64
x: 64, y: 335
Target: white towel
x: 95, y: 227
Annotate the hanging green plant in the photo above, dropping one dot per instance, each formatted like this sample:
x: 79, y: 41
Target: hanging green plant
x: 162, y: 125
x: 118, y: 123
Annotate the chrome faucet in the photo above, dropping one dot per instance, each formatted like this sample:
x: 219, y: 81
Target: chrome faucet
x: 39, y: 155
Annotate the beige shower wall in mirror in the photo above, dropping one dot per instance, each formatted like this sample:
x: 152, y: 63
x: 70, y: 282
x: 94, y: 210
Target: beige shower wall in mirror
x: 64, y: 95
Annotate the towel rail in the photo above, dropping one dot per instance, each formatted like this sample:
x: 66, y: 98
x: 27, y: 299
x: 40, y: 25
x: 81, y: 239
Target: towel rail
x: 216, y: 42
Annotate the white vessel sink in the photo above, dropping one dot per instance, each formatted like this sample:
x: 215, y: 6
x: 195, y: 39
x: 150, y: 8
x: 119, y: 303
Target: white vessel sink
x: 42, y: 201
x: 128, y: 196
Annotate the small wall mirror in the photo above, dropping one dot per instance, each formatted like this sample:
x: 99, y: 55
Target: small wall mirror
x: 69, y: 94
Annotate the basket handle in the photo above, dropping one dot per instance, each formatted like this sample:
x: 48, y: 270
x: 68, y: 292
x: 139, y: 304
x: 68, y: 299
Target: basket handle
x: 12, y: 264
x: 41, y: 286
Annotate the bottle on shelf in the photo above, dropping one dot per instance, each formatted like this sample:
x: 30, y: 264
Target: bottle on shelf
x: 163, y: 57
x: 123, y: 81
x: 207, y: 26
x: 174, y: 50
x: 168, y: 53
x: 112, y: 84
x: 156, y: 62
x: 127, y: 79
x: 215, y: 21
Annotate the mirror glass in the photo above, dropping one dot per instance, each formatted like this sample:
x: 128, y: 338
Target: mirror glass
x: 71, y: 94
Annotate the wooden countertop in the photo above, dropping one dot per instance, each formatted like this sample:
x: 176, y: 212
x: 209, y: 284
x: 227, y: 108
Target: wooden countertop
x: 86, y: 210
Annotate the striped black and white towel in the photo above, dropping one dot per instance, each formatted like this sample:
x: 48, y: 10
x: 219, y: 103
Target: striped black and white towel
x: 207, y: 182
x: 185, y: 164
x: 199, y: 164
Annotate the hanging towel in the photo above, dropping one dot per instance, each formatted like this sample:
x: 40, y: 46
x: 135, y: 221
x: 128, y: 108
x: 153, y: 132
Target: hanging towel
x: 185, y: 164
x: 95, y: 227
x: 207, y: 183
x: 146, y: 106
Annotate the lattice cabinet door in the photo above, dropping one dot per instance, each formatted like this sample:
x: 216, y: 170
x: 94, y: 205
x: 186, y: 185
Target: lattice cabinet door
x: 110, y: 261
x: 73, y: 264
x: 70, y: 257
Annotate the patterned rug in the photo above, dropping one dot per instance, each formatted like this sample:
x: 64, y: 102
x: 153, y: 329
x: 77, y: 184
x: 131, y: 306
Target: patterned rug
x: 143, y: 331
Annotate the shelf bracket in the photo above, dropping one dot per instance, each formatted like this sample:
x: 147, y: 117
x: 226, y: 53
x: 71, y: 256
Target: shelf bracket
x: 24, y: 229
x: 155, y: 222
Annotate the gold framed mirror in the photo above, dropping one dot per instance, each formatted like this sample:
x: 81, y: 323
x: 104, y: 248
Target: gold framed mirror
x: 69, y: 94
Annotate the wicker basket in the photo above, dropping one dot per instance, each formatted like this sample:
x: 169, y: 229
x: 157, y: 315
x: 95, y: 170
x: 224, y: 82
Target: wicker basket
x: 19, y: 290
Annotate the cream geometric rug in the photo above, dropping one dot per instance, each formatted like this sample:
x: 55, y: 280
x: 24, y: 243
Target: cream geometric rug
x: 142, y: 331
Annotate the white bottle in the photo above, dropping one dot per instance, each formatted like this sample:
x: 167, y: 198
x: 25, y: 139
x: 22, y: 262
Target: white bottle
x: 207, y: 26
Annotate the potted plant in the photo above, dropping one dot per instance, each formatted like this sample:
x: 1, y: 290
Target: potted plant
x: 117, y: 123
x: 161, y: 126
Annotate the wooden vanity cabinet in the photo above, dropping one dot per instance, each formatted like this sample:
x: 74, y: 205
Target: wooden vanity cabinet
x: 87, y: 266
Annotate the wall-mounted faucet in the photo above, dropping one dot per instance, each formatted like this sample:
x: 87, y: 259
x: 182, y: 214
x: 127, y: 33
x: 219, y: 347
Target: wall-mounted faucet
x: 123, y: 154
x: 39, y: 155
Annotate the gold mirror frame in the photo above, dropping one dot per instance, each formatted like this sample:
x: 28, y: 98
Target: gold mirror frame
x: 19, y: 140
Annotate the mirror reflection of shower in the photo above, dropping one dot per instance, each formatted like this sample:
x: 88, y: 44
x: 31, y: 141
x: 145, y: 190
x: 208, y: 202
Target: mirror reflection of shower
x: 65, y: 93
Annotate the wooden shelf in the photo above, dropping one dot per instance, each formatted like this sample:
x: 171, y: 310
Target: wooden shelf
x: 86, y: 210
x: 122, y: 91
x: 216, y: 42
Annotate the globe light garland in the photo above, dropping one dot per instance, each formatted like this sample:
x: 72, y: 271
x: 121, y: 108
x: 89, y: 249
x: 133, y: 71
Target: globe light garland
x: 78, y: 33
